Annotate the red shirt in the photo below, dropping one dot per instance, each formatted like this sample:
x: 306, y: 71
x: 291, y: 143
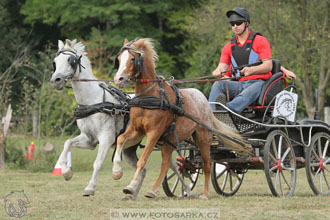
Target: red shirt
x: 260, y: 45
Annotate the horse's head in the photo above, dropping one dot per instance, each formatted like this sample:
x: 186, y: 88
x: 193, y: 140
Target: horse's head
x: 66, y: 63
x: 132, y: 58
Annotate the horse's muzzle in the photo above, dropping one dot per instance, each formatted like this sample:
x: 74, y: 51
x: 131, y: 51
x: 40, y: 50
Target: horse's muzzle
x: 120, y: 81
x: 58, y: 81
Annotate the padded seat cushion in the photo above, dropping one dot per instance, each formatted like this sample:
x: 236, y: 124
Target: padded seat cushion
x: 271, y: 88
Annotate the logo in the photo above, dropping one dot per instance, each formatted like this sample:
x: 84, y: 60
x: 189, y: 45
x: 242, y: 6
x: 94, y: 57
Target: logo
x: 16, y: 204
x: 286, y: 105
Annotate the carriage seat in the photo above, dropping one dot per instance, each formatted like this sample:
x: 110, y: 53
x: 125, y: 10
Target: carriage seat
x: 271, y: 87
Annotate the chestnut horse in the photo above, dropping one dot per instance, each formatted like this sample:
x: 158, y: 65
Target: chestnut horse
x: 136, y: 61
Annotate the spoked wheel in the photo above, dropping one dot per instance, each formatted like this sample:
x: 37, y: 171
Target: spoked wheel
x: 172, y: 185
x: 280, y: 164
x: 226, y: 181
x: 318, y: 164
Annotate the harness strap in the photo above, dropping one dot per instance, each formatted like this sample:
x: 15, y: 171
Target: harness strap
x: 113, y: 109
x: 163, y: 103
x: 83, y: 111
x: 173, y: 124
x: 77, y: 61
x: 153, y: 102
x: 146, y: 90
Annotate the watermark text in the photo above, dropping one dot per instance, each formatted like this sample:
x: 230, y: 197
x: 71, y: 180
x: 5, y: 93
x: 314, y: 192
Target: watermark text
x: 168, y: 213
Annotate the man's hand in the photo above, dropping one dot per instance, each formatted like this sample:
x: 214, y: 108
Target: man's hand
x: 247, y: 71
x: 217, y: 72
x: 288, y: 73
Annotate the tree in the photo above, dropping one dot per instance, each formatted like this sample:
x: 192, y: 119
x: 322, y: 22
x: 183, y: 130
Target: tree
x: 104, y: 25
x: 299, y: 31
x: 13, y: 48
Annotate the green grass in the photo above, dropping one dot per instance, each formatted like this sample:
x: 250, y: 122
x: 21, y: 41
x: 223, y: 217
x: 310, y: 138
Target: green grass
x: 54, y: 198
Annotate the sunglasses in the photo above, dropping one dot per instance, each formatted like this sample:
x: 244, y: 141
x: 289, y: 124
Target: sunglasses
x: 238, y: 23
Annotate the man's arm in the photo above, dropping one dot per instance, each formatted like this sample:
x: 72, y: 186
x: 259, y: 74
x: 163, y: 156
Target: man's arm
x: 263, y: 68
x: 222, y: 67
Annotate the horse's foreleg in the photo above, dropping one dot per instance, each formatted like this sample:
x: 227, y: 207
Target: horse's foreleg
x: 131, y: 158
x: 166, y: 158
x: 66, y: 171
x: 151, y: 142
x: 125, y: 138
x: 103, y: 150
x: 80, y: 141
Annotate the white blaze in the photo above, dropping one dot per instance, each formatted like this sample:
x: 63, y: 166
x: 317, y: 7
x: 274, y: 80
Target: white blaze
x: 122, y: 66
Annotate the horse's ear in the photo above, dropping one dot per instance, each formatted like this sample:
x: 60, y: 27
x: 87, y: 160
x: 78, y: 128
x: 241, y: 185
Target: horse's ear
x: 126, y: 41
x: 60, y: 45
x: 68, y: 42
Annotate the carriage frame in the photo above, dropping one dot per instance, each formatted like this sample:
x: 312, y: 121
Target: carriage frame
x: 279, y: 147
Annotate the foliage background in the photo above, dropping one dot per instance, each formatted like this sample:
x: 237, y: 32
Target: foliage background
x: 189, y: 36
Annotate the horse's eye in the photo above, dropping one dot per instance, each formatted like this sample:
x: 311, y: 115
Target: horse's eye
x: 132, y: 60
x: 54, y: 66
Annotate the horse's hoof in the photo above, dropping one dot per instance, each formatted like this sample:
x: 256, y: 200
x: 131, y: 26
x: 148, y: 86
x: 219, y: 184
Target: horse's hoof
x: 67, y: 175
x: 88, y: 193
x: 117, y: 175
x: 150, y: 195
x: 128, y: 197
x: 191, y: 195
x: 128, y: 190
x: 203, y: 196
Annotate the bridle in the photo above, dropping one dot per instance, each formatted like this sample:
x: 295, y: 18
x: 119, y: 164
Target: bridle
x: 74, y: 61
x: 138, y: 60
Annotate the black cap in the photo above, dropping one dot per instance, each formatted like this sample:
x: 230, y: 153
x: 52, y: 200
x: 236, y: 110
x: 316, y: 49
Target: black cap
x: 238, y: 14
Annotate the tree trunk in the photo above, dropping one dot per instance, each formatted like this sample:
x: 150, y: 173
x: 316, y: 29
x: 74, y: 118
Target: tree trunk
x: 35, y: 123
x: 3, y: 137
x: 327, y: 115
x: 2, y: 151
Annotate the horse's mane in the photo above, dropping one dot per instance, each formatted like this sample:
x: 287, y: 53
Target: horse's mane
x: 79, y: 47
x: 146, y: 45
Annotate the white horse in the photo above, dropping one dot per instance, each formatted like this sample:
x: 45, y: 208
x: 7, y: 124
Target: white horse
x: 71, y: 64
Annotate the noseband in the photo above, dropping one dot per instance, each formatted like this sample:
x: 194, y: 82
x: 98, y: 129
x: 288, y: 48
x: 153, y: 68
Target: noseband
x: 139, y: 61
x: 74, y: 61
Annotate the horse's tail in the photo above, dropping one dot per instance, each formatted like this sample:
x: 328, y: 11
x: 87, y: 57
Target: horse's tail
x: 228, y: 131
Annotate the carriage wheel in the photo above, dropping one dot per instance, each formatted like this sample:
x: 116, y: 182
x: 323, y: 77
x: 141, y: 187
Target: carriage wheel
x: 172, y: 185
x: 226, y: 181
x: 318, y: 164
x: 280, y: 164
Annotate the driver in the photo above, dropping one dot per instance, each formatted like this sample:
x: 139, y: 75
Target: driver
x: 246, y: 47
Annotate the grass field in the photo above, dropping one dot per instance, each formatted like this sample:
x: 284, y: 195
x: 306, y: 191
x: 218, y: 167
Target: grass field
x: 54, y: 198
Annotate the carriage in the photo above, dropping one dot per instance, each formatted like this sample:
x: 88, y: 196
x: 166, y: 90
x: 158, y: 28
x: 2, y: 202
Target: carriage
x: 276, y: 141
x: 280, y: 146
